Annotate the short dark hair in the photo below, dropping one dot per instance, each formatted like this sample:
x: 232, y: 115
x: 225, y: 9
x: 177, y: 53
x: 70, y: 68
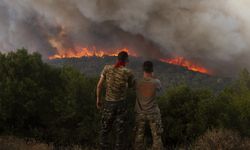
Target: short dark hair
x: 148, y: 67
x: 123, y: 56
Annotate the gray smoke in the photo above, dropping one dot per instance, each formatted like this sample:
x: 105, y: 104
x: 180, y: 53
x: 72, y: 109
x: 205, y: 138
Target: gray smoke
x: 212, y: 33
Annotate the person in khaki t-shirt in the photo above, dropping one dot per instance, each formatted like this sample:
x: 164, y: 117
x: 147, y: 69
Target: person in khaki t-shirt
x: 147, y: 109
x: 117, y: 78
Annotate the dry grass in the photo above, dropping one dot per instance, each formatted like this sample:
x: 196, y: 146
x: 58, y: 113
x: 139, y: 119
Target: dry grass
x: 220, y: 139
x: 13, y: 143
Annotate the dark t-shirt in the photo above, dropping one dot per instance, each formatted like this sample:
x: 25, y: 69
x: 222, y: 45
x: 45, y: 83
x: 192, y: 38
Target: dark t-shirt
x: 146, y: 90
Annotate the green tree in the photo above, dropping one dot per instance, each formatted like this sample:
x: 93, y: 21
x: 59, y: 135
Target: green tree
x: 183, y: 114
x: 236, y: 99
x: 50, y: 104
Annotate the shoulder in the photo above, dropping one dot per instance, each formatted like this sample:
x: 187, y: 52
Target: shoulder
x: 158, y: 84
x: 105, y: 70
x: 127, y: 71
x: 157, y: 81
x: 139, y: 81
x: 107, y: 67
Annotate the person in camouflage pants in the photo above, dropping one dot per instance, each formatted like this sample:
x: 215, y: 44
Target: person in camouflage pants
x: 154, y: 121
x: 113, y: 112
x: 114, y: 109
x: 147, y: 110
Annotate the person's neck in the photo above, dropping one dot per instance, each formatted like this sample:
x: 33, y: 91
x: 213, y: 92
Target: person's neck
x: 147, y: 75
x: 120, y: 64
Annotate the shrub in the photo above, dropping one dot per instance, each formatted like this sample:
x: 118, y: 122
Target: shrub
x: 183, y: 114
x: 50, y: 104
x: 232, y: 106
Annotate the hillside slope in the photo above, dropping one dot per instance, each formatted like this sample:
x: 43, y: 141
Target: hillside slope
x: 170, y: 75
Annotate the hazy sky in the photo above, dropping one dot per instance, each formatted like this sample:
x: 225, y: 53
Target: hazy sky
x: 213, y: 33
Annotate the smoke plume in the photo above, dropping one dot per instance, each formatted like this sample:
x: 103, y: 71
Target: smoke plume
x: 212, y: 33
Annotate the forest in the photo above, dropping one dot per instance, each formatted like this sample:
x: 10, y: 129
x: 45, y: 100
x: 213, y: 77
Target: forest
x: 56, y: 106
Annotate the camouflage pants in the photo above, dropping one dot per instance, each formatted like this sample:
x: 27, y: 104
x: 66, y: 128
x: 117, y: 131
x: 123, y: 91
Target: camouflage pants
x: 155, y: 124
x: 114, y: 113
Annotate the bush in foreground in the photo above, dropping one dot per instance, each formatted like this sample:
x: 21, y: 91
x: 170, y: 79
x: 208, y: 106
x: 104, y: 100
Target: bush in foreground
x: 49, y: 104
x: 184, y: 114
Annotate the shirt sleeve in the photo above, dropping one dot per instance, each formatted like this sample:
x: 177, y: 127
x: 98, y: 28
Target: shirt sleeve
x: 104, y: 72
x: 158, y: 85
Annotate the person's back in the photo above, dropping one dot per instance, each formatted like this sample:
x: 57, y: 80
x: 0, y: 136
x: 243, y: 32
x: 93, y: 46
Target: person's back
x: 117, y: 81
x: 114, y: 109
x: 147, y: 88
x: 147, y: 109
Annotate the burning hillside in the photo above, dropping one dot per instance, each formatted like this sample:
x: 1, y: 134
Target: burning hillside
x: 92, y: 51
x: 181, y: 61
x: 89, y: 52
x: 199, y: 35
x: 170, y: 75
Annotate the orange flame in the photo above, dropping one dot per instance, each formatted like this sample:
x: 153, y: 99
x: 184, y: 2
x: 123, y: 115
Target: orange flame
x: 180, y: 61
x: 89, y: 52
x: 92, y: 51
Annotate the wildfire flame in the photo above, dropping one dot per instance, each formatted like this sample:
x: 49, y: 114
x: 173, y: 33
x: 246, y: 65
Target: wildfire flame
x: 89, y: 52
x: 80, y: 51
x: 92, y: 51
x: 181, y: 61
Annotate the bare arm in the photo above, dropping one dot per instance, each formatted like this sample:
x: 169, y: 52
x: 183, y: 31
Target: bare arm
x: 131, y: 81
x: 98, y: 92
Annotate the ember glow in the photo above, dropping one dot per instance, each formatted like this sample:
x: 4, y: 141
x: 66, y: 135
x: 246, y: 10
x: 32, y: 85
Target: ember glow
x: 181, y: 61
x: 92, y: 51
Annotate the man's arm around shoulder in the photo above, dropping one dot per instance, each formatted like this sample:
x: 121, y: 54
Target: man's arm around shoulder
x: 158, y: 85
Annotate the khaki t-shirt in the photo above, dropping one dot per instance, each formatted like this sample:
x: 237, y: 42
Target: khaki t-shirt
x: 117, y: 82
x: 146, y: 90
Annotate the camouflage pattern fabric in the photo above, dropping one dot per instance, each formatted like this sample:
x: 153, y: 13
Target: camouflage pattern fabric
x: 114, y: 113
x: 155, y: 124
x: 117, y: 81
